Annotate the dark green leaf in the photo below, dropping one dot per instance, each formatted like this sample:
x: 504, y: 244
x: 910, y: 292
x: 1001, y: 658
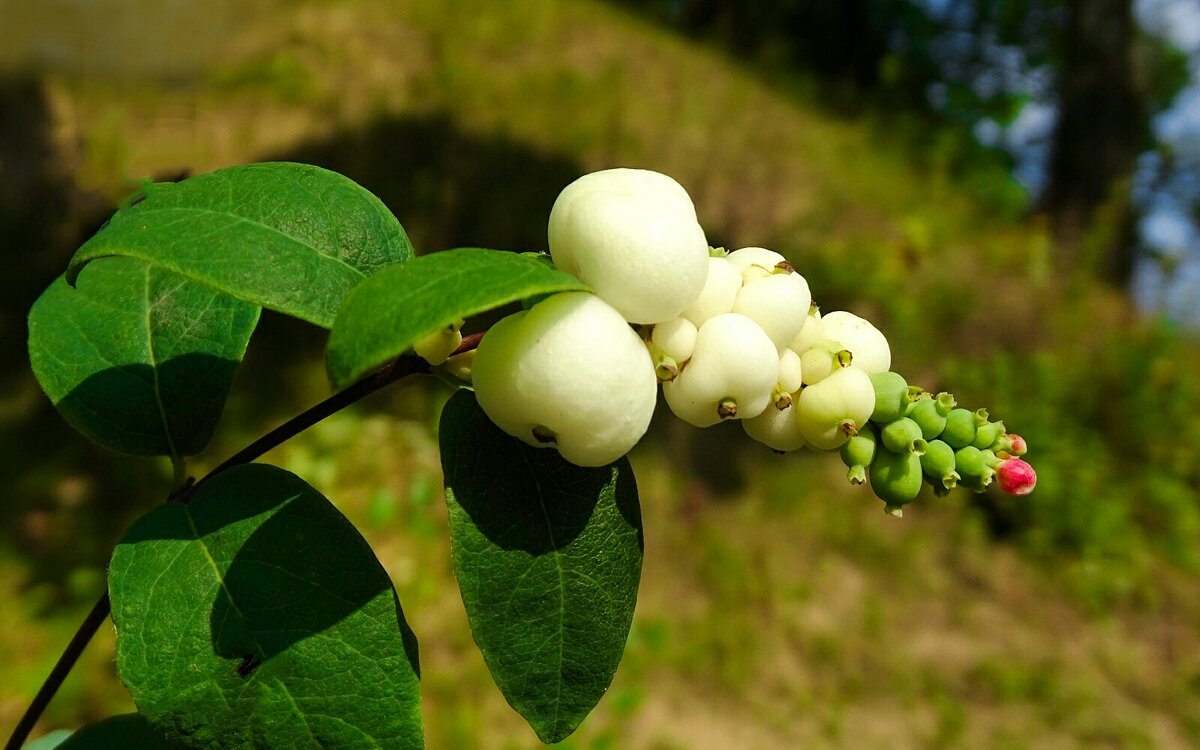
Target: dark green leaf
x: 385, y: 315
x: 258, y: 617
x: 137, y: 358
x: 123, y: 731
x: 547, y: 556
x: 290, y: 237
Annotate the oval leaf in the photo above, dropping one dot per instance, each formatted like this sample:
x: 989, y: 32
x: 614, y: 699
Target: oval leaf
x: 548, y: 557
x: 290, y: 237
x: 385, y: 315
x: 137, y: 358
x: 257, y: 616
x: 122, y: 731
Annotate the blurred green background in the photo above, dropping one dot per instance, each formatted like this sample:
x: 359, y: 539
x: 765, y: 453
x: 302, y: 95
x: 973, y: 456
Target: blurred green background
x: 988, y: 186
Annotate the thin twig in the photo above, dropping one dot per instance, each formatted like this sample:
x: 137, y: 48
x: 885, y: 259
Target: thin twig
x: 398, y: 368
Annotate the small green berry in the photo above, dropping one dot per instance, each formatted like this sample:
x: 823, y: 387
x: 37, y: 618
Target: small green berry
x: 858, y: 452
x: 892, y: 396
x: 960, y: 428
x: 972, y: 467
x: 930, y: 413
x: 987, y: 434
x: 938, y: 464
x: 896, y: 477
x: 902, y: 436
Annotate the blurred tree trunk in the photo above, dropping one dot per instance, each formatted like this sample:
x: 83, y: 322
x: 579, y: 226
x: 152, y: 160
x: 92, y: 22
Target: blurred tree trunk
x: 1102, y: 126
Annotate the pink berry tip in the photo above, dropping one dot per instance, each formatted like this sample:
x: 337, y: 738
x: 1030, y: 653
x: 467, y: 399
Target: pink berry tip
x: 1016, y: 444
x: 1016, y: 476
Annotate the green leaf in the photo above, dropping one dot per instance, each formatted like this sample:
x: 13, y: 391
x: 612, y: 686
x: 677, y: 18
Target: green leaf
x: 123, y: 731
x: 258, y: 617
x: 384, y: 316
x: 290, y: 237
x: 137, y: 358
x: 547, y: 556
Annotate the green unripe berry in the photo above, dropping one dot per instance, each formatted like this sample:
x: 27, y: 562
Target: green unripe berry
x: 902, y: 436
x: 938, y: 463
x: 930, y: 413
x: 987, y: 434
x: 858, y: 452
x: 960, y: 428
x: 892, y: 396
x: 439, y: 345
x: 972, y: 467
x: 896, y: 478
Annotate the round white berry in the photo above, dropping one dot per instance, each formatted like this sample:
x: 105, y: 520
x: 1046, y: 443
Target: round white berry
x: 632, y: 235
x: 568, y: 373
x: 835, y: 408
x: 821, y: 359
x: 868, y: 345
x: 732, y: 373
x: 720, y: 291
x: 790, y: 371
x: 812, y: 331
x: 756, y: 262
x: 676, y: 338
x: 778, y: 302
x: 777, y: 429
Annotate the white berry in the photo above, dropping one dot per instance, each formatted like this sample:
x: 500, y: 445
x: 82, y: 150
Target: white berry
x: 812, y: 332
x: 732, y: 373
x: 676, y: 338
x: 777, y: 429
x: 632, y: 235
x: 755, y: 262
x: 835, y: 408
x: 868, y: 345
x: 720, y: 291
x: 821, y: 359
x: 568, y: 373
x: 790, y: 371
x: 778, y: 302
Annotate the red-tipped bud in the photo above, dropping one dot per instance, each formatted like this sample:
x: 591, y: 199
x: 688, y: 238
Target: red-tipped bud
x: 1016, y: 476
x: 1016, y: 444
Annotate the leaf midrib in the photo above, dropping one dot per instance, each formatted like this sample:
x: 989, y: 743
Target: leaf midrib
x: 156, y: 386
x: 562, y: 584
x: 252, y: 222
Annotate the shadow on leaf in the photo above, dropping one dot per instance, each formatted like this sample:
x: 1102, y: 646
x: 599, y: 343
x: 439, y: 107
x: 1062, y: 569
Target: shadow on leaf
x: 120, y: 407
x: 288, y: 565
x: 521, y: 497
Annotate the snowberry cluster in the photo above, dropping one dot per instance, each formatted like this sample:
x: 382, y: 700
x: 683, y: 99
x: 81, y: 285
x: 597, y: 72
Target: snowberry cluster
x: 730, y: 336
x: 914, y: 436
